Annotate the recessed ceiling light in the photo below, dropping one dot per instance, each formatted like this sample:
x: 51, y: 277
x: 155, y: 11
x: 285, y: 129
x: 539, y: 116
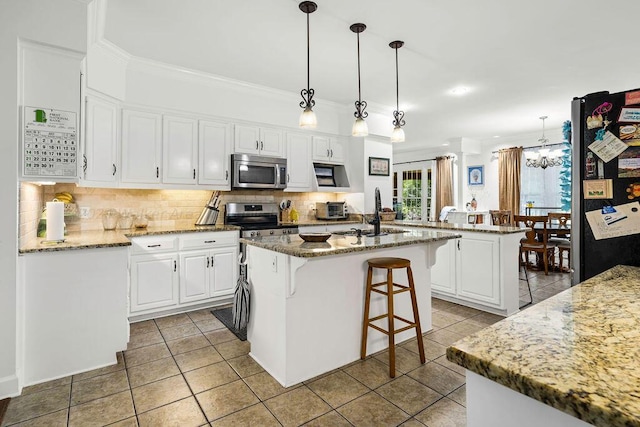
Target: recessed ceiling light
x: 446, y: 144
x: 460, y: 90
x: 496, y: 136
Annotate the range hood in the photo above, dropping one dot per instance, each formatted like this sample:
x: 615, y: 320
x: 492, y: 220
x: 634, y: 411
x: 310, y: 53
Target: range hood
x: 330, y: 178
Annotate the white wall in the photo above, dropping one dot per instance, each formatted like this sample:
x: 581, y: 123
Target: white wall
x: 488, y: 195
x: 54, y: 22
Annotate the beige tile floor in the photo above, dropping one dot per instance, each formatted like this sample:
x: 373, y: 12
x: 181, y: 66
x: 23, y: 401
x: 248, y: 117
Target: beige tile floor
x: 189, y: 370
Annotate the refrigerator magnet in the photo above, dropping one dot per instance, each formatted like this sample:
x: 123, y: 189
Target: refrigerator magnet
x: 598, y: 188
x: 633, y: 191
x: 608, y: 147
x: 631, y: 98
x: 629, y: 115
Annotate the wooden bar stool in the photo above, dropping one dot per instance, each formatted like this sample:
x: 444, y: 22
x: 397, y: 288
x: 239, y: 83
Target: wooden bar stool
x: 389, y: 264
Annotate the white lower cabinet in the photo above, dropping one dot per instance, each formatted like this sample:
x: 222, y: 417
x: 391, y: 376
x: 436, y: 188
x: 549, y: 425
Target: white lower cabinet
x: 206, y: 274
x: 171, y: 272
x: 154, y: 281
x: 479, y: 270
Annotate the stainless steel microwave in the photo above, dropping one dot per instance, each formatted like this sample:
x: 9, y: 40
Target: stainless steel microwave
x: 258, y: 172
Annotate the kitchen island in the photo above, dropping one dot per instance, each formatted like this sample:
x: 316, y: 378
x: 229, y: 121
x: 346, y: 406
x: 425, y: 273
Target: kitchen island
x: 571, y: 360
x: 307, y: 298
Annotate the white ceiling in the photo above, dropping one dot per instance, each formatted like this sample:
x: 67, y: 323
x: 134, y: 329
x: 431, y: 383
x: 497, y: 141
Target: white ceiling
x: 521, y: 59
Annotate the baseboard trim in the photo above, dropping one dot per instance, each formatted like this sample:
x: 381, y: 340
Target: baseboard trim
x: 9, y: 386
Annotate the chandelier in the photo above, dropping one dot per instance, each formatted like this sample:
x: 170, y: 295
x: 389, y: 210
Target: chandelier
x: 308, y: 118
x: 544, y: 157
x: 397, y: 135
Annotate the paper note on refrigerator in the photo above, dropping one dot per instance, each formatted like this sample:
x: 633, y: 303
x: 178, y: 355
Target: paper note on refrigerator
x: 608, y: 148
x: 615, y: 221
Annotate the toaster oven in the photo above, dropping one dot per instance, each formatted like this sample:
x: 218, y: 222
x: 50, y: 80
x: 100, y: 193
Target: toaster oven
x: 331, y: 210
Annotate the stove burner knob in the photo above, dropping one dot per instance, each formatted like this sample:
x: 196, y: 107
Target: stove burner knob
x: 257, y: 233
x: 253, y: 233
x: 270, y: 231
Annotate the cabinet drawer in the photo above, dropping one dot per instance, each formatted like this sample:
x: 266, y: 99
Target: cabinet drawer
x: 153, y: 244
x: 208, y: 240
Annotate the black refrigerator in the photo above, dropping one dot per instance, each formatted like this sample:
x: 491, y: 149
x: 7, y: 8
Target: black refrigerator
x: 591, y: 117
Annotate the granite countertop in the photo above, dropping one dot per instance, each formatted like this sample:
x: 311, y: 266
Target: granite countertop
x: 578, y: 351
x: 112, y: 238
x: 322, y: 222
x: 292, y: 244
x: 480, y: 228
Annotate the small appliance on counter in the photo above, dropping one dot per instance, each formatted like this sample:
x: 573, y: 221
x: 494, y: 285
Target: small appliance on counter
x: 209, y: 214
x: 331, y: 210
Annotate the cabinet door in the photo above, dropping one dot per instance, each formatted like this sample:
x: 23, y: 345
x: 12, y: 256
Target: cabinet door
x: 247, y: 139
x: 141, y: 146
x: 338, y: 150
x: 443, y: 271
x: 271, y: 142
x: 194, y: 275
x: 321, y: 148
x: 154, y: 281
x: 478, y: 270
x: 180, y: 148
x: 214, y: 145
x: 298, y: 162
x: 224, y: 272
x: 101, y: 141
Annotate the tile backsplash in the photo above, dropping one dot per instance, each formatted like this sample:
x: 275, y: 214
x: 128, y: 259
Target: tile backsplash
x: 161, y: 207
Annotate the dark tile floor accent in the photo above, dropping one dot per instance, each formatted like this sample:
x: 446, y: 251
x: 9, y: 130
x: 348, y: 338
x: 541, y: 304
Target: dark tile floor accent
x: 189, y: 370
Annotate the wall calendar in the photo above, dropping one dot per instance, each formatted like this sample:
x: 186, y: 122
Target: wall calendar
x: 50, y: 142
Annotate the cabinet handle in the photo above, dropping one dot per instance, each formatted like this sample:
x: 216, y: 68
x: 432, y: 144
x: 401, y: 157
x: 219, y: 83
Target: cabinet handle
x: 257, y: 145
x: 332, y: 152
x: 154, y: 246
x: 458, y: 244
x: 175, y: 266
x: 157, y: 172
x: 287, y: 178
x: 84, y: 164
x: 261, y: 145
x: 328, y: 154
x: 209, y: 241
x: 114, y: 169
x: 226, y: 175
x: 207, y: 262
x: 212, y: 262
x: 194, y: 174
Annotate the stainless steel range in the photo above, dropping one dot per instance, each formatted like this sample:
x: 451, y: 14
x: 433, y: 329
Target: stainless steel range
x: 257, y: 219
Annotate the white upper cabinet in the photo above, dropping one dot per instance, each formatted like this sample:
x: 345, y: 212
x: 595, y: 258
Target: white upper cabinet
x: 261, y: 141
x: 214, y: 145
x: 180, y: 150
x: 328, y: 149
x: 141, y: 147
x: 299, y: 165
x: 100, y: 152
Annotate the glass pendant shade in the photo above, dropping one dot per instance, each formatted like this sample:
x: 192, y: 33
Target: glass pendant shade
x: 360, y: 127
x: 308, y: 119
x: 397, y: 135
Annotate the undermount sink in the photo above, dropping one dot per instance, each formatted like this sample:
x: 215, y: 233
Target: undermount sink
x: 368, y: 231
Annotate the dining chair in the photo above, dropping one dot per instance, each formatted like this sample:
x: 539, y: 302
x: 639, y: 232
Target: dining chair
x: 536, y: 225
x: 500, y: 217
x: 561, y: 241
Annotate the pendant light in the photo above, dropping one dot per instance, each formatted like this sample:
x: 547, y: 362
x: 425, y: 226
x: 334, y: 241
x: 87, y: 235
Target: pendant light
x: 360, y: 127
x: 308, y: 118
x: 544, y: 157
x: 398, y: 116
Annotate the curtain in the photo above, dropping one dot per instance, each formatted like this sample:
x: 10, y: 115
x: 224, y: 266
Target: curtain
x: 509, y: 161
x: 444, y: 183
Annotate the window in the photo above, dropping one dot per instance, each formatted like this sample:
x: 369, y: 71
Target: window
x: 542, y: 187
x: 412, y: 193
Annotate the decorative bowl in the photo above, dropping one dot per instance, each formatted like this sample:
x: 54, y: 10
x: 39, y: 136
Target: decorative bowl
x: 315, y: 237
x: 387, y: 216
